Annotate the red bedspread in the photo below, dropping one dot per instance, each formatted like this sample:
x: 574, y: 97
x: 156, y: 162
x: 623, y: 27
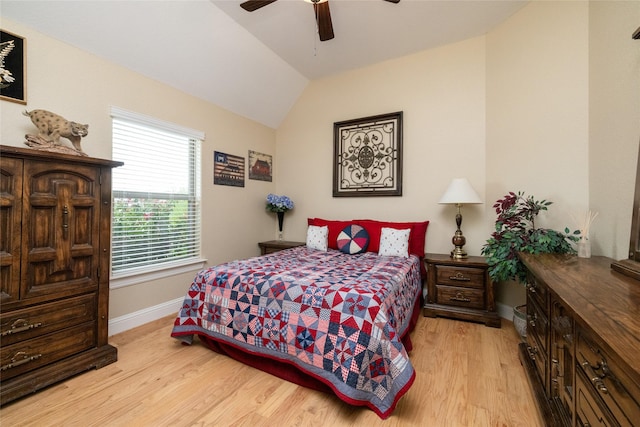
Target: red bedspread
x: 337, y: 318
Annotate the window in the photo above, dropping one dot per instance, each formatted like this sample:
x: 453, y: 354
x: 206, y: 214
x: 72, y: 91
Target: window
x: 156, y: 195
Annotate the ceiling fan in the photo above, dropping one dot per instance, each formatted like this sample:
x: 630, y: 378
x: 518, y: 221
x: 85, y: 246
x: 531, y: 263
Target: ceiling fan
x: 320, y: 7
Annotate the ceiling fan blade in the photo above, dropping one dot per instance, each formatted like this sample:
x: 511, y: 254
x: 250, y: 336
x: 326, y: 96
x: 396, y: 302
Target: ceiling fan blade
x: 251, y: 5
x: 323, y: 18
x: 393, y: 1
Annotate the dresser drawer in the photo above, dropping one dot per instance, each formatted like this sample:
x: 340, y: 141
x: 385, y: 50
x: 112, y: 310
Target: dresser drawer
x: 537, y: 335
x: 31, y: 354
x: 20, y: 325
x: 537, y: 324
x: 537, y: 292
x: 608, y: 381
x: 539, y: 359
x: 467, y: 277
x: 461, y: 297
x: 589, y: 411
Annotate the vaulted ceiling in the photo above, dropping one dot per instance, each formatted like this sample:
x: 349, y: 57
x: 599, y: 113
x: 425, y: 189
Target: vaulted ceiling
x: 255, y: 64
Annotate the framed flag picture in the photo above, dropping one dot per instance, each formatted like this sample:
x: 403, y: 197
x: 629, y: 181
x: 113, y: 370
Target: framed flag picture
x: 228, y: 169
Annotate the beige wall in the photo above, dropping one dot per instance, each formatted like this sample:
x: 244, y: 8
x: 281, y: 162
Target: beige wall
x: 83, y: 87
x: 547, y: 103
x: 537, y: 114
x: 442, y: 95
x: 614, y: 125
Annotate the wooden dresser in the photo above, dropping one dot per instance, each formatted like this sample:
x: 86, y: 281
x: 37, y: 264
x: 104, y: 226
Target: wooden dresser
x: 55, y: 237
x: 582, y: 351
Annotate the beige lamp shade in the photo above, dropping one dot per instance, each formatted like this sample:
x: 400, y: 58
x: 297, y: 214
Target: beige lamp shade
x: 460, y: 192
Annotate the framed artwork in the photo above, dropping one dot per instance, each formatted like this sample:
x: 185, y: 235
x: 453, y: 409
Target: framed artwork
x: 228, y: 169
x: 13, y: 70
x: 260, y: 166
x: 368, y: 156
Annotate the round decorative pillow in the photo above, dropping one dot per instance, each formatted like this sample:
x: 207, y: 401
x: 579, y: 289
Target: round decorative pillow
x: 353, y: 239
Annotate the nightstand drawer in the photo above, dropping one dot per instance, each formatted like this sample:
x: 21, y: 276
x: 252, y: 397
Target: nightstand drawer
x: 461, y: 297
x: 467, y: 277
x: 277, y: 245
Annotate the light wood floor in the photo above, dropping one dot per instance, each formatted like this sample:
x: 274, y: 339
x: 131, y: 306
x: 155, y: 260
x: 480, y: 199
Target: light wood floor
x: 467, y: 375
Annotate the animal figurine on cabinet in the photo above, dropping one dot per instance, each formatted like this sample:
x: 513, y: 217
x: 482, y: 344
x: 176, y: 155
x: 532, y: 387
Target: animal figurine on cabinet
x: 52, y: 127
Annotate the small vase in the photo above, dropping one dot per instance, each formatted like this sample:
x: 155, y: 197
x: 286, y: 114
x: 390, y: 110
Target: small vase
x: 584, y: 248
x: 280, y: 222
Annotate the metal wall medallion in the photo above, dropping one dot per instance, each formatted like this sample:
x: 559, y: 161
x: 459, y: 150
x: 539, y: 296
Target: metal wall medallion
x: 368, y: 156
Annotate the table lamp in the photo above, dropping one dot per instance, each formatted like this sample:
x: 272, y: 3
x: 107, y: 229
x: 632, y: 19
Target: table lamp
x: 458, y: 193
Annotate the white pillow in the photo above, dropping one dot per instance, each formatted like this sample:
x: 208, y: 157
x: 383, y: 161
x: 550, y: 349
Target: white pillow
x: 394, y: 242
x: 317, y: 237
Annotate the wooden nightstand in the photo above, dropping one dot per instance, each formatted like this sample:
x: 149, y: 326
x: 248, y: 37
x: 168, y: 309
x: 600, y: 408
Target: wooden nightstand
x: 460, y: 289
x: 277, y: 245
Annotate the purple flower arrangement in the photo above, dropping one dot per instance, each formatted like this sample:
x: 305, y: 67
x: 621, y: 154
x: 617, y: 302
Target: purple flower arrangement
x: 277, y: 203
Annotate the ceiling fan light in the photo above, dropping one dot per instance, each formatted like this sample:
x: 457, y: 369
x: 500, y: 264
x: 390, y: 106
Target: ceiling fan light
x: 315, y: 1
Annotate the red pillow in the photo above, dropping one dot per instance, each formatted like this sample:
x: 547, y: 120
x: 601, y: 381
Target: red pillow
x: 416, y: 237
x: 335, y: 227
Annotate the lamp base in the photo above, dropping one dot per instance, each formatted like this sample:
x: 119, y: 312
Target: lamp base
x: 459, y: 253
x: 458, y: 241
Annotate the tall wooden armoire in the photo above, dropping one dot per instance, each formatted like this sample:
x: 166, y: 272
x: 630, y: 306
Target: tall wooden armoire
x: 55, y: 238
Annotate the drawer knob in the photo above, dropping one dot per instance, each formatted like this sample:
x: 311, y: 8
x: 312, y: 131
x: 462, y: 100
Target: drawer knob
x: 21, y: 325
x: 20, y: 358
x: 460, y: 298
x: 532, y: 352
x: 532, y: 319
x: 459, y: 277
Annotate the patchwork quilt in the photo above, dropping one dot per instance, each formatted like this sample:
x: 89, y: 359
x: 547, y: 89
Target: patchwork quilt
x: 336, y: 317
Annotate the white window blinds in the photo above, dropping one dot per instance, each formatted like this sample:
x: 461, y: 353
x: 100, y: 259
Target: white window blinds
x: 156, y: 209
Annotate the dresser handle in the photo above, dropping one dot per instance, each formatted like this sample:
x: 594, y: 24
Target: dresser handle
x: 459, y: 277
x: 460, y: 297
x: 21, y: 325
x: 596, y: 379
x: 20, y: 358
x: 532, y: 319
x: 65, y: 221
x: 532, y: 352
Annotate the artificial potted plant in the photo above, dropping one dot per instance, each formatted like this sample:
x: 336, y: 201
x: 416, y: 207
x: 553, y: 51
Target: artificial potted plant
x: 516, y: 231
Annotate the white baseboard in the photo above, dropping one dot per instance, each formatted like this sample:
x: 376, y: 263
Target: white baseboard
x: 138, y: 318
x: 505, y: 311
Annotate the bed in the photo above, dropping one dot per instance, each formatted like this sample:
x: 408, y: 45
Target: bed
x: 319, y: 315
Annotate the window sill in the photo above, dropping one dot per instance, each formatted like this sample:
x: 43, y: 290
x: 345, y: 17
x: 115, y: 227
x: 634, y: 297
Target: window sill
x: 133, y: 278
